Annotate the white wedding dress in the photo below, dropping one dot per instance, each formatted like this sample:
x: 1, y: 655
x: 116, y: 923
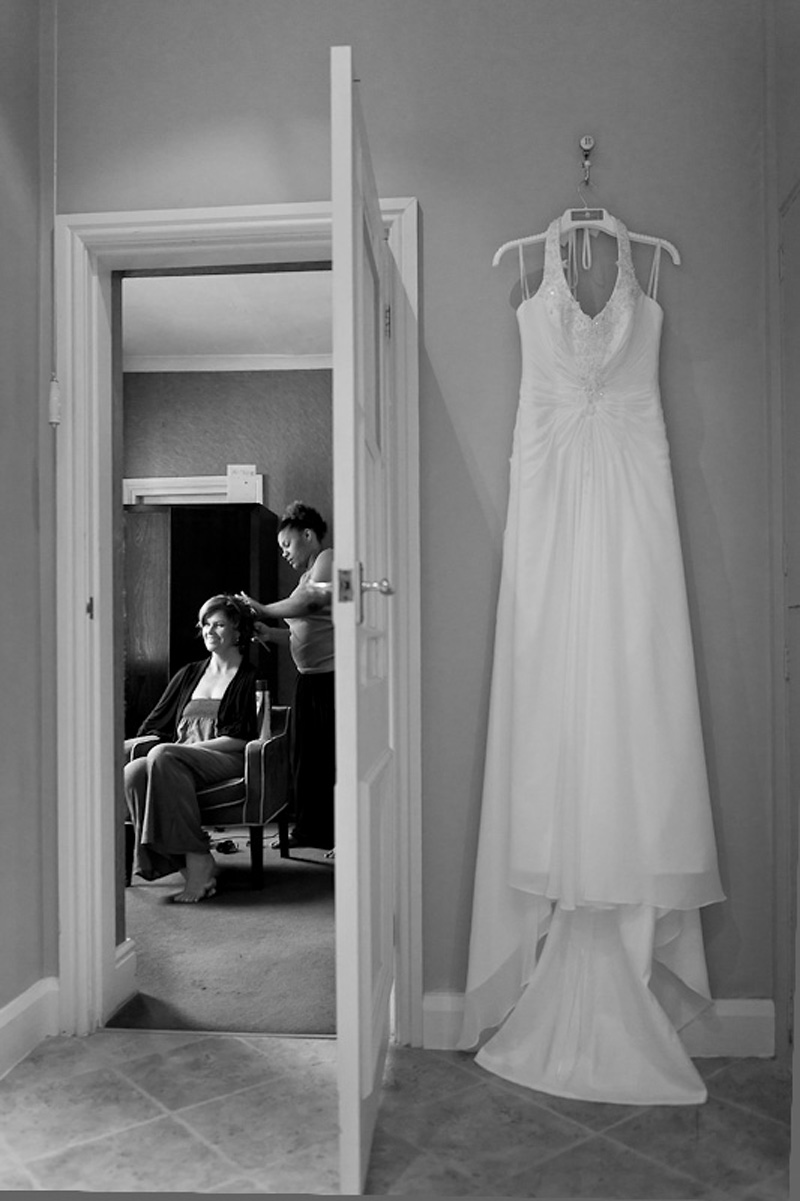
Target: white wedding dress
x: 596, y: 845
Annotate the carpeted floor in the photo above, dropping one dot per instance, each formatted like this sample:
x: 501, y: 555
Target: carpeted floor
x: 242, y: 961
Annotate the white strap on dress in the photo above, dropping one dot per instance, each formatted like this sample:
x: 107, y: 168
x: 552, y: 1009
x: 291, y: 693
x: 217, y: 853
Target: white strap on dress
x: 655, y: 271
x: 523, y: 279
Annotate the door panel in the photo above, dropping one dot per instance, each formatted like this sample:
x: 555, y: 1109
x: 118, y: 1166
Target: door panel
x: 365, y: 787
x: 790, y: 321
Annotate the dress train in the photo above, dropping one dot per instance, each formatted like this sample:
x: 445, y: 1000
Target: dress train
x: 588, y: 1025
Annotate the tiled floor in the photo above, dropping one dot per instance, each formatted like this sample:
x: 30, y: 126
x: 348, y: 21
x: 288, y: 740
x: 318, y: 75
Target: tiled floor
x: 140, y: 1111
x: 448, y: 1128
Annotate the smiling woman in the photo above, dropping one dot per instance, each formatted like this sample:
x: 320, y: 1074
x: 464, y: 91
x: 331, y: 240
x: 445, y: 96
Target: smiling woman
x: 195, y: 736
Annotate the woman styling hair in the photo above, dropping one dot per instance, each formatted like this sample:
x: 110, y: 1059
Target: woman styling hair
x: 309, y: 631
x: 200, y: 726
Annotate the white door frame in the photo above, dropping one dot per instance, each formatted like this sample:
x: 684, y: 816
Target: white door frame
x: 96, y: 975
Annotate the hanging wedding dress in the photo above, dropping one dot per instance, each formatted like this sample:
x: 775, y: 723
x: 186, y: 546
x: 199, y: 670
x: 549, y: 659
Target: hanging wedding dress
x: 596, y: 831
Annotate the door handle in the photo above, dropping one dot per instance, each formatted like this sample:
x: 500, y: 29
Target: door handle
x: 347, y: 592
x: 383, y: 586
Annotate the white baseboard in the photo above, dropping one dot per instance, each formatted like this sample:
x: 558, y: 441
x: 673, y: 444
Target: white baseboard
x: 735, y: 1028
x: 35, y: 1014
x: 26, y: 1021
x: 442, y: 1014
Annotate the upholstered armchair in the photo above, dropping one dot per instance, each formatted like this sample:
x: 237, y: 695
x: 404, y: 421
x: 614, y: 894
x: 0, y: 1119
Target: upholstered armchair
x: 256, y: 799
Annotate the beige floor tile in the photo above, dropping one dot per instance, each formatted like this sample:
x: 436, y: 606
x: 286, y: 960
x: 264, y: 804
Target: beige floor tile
x: 118, y: 1046
x: 709, y: 1067
x: 398, y: 1168
x: 239, y: 1184
x: 391, y: 1156
x: 718, y: 1143
x: 288, y: 1056
x: 198, y: 1071
x: 15, y: 1179
x: 598, y: 1169
x: 58, y: 1056
x: 43, y: 1114
x: 429, y: 1176
x: 762, y: 1085
x: 484, y: 1122
x: 412, y: 1074
x: 161, y: 1156
x: 776, y: 1189
x: 594, y: 1116
x: 258, y: 1128
x: 314, y: 1169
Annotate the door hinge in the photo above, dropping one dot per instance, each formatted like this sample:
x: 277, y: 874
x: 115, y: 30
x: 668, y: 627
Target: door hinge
x: 387, y: 321
x: 54, y: 403
x: 90, y: 608
x: 790, y: 1019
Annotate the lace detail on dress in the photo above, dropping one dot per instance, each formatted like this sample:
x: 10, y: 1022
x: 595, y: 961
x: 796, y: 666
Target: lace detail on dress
x: 590, y: 338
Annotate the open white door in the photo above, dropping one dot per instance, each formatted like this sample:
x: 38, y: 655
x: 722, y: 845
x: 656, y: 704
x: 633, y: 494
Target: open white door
x: 787, y: 815
x: 365, y: 766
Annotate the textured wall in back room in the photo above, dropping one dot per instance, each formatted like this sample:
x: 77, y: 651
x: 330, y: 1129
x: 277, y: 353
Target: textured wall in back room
x: 195, y: 423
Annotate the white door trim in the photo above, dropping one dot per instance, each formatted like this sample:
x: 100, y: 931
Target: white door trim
x: 89, y: 248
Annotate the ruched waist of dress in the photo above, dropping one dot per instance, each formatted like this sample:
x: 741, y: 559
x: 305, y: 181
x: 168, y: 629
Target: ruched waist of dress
x: 582, y: 393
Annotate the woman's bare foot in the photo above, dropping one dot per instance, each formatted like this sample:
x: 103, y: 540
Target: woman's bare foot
x: 200, y: 875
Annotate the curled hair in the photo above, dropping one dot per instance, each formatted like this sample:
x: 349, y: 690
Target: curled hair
x: 298, y: 516
x: 237, y: 611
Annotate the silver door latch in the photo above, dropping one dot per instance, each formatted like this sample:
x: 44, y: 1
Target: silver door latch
x: 346, y: 591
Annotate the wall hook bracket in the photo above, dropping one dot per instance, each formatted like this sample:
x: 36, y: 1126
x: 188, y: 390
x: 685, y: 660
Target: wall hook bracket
x: 587, y: 146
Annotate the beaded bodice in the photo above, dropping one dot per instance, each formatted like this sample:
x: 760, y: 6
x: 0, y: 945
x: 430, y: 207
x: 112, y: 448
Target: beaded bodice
x: 580, y: 359
x: 591, y: 337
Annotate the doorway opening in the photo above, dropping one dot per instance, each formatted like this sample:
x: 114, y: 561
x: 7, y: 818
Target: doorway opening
x: 96, y: 973
x: 222, y: 366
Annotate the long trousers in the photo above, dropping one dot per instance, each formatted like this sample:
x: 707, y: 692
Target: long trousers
x: 313, y: 758
x: 161, y: 795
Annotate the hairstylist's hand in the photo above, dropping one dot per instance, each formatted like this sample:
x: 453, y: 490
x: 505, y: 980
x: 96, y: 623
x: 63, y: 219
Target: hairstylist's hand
x: 252, y: 605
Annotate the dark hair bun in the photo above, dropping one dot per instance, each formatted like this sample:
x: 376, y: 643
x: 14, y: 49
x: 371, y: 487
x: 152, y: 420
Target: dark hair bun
x: 299, y: 516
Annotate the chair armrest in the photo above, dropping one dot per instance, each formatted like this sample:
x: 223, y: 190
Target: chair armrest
x: 137, y: 748
x: 266, y: 777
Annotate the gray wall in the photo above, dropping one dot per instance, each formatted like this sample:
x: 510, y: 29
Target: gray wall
x: 27, y: 848
x: 475, y: 107
x: 785, y: 95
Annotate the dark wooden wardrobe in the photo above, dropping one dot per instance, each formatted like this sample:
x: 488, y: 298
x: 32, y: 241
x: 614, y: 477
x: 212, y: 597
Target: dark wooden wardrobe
x: 176, y: 557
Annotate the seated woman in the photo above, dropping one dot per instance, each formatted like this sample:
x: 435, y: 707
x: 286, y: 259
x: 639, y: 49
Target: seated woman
x: 202, y: 722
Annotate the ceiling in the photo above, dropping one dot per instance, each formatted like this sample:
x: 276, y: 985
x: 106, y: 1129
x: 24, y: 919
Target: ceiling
x: 241, y: 322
